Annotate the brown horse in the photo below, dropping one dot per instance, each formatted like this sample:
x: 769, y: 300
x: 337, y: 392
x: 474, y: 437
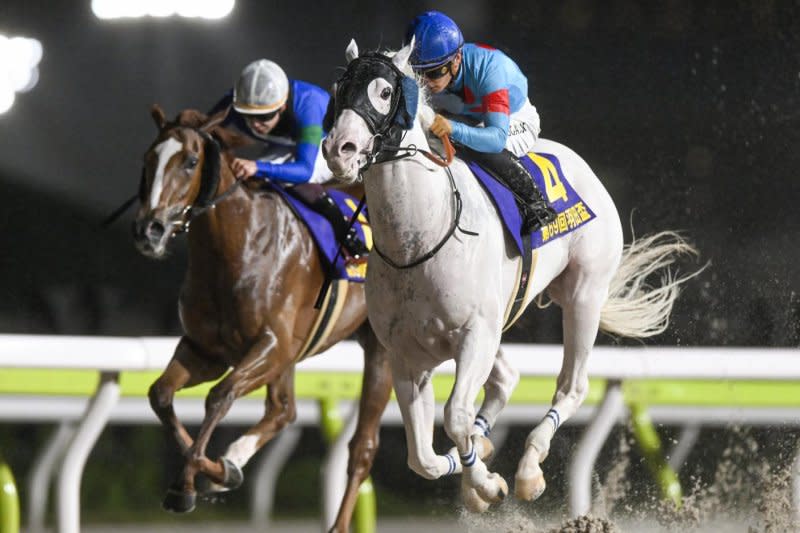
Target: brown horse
x: 247, y: 304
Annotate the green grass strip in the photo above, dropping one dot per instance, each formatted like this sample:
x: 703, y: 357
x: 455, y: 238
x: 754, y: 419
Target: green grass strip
x: 346, y: 386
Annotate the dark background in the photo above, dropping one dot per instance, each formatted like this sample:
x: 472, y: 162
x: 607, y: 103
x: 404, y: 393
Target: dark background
x: 687, y: 110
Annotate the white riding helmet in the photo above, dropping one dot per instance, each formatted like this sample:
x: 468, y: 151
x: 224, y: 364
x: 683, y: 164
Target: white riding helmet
x: 262, y: 87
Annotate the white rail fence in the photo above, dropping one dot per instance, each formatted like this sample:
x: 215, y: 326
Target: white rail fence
x: 82, y: 419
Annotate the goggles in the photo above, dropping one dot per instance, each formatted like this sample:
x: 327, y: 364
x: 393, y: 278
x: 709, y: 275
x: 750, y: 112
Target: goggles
x: 437, y: 72
x: 264, y: 117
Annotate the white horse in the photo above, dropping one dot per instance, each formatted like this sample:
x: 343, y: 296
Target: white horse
x: 453, y: 304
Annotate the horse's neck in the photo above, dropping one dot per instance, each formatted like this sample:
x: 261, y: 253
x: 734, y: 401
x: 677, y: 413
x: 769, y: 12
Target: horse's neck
x: 222, y: 235
x: 410, y: 202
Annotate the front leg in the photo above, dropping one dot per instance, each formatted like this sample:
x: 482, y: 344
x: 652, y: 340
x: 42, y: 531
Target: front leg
x: 417, y: 405
x: 188, y: 367
x: 280, y: 411
x: 266, y: 360
x: 474, y: 363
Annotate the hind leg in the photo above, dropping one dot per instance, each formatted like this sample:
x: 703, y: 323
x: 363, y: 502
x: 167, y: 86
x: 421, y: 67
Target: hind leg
x: 376, y: 387
x: 581, y: 296
x: 497, y: 391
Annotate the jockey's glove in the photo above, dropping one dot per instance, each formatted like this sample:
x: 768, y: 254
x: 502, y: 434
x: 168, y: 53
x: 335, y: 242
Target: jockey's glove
x: 441, y: 127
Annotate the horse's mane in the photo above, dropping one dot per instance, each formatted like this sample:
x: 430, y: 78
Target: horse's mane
x: 192, y: 118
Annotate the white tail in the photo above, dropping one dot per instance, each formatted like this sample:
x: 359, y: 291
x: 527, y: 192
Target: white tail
x: 635, y: 309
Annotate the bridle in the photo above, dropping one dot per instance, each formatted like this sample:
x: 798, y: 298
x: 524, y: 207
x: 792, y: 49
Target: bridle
x: 212, y: 159
x: 209, y: 184
x: 388, y: 131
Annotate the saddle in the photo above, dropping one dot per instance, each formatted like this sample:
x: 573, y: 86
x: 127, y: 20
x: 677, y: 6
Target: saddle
x: 353, y: 248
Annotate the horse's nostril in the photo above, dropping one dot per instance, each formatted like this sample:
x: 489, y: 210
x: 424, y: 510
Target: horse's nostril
x: 348, y: 148
x: 155, y: 230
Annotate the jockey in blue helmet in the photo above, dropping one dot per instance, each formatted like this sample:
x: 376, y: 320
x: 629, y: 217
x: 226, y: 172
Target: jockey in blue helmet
x: 486, y: 95
x: 285, y: 117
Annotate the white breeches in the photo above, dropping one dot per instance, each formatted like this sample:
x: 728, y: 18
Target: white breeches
x: 523, y: 130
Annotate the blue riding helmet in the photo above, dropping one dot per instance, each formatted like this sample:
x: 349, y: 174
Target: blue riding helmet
x: 437, y: 40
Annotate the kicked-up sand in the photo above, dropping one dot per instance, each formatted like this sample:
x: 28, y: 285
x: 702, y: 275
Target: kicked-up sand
x: 747, y: 494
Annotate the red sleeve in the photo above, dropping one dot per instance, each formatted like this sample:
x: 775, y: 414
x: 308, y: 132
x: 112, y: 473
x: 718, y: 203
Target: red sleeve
x: 494, y: 102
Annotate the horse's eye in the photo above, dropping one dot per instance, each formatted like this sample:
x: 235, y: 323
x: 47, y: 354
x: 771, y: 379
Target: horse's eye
x: 191, y: 162
x: 386, y: 93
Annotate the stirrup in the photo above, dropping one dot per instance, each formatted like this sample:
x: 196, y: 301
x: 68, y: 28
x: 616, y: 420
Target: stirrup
x: 537, y: 214
x: 542, y: 212
x: 355, y: 248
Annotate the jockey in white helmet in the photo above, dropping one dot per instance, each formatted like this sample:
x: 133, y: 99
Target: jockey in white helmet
x: 286, y: 117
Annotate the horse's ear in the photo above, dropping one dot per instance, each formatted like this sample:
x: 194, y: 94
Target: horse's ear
x: 351, y: 52
x: 158, y: 116
x: 400, y: 59
x: 215, y: 120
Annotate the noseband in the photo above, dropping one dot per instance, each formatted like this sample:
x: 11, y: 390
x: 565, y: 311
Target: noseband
x: 388, y: 130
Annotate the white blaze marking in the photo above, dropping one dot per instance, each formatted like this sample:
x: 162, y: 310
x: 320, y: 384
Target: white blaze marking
x: 374, y: 90
x: 165, y: 151
x: 242, y: 450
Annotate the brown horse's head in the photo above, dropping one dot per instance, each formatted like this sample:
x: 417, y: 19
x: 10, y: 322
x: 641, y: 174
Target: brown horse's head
x: 181, y: 172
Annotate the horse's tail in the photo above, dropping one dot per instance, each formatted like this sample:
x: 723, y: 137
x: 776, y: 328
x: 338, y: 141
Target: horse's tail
x: 634, y: 308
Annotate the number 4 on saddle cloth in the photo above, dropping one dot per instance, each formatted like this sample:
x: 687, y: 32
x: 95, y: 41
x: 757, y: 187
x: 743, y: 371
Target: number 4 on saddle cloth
x: 348, y: 266
x: 572, y: 213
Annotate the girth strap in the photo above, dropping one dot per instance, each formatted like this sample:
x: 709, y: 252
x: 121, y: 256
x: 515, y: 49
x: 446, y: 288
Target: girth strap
x: 522, y: 286
x: 328, y: 315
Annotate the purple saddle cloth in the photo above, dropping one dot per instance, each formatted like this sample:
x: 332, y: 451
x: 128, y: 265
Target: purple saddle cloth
x: 322, y: 232
x: 572, y: 211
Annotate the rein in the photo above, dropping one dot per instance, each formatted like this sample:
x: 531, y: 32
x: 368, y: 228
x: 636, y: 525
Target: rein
x: 444, y: 162
x: 192, y: 211
x: 411, y: 150
x: 388, y: 132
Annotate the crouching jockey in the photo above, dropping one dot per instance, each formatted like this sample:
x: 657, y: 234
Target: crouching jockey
x: 285, y: 117
x: 482, y: 86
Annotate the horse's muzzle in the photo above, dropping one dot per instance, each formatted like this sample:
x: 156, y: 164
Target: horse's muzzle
x: 150, y: 236
x: 342, y: 159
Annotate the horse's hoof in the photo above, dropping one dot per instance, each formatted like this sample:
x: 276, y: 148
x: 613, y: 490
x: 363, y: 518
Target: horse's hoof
x: 178, y: 501
x: 234, y: 477
x: 210, y: 488
x: 497, y: 493
x: 473, y: 502
x: 529, y: 489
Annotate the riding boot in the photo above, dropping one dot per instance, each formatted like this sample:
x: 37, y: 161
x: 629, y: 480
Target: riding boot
x: 507, y: 169
x: 326, y: 206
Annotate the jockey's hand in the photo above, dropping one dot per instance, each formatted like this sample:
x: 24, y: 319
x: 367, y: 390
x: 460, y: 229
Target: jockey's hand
x: 244, y: 168
x: 441, y: 127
